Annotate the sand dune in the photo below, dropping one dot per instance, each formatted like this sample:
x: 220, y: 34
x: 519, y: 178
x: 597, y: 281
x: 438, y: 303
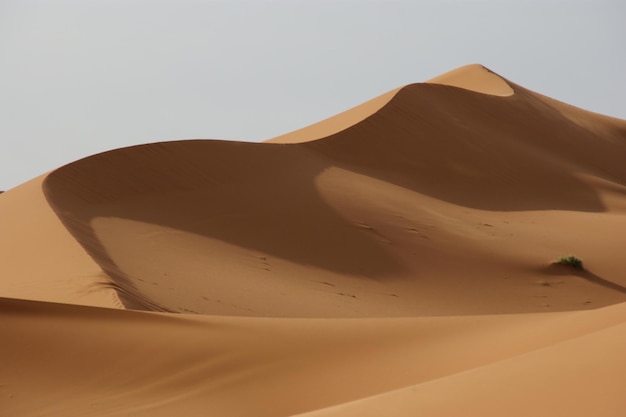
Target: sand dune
x: 392, y: 260
x: 200, y: 364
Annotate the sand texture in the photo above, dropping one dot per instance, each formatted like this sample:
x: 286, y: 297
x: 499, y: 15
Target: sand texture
x: 393, y: 260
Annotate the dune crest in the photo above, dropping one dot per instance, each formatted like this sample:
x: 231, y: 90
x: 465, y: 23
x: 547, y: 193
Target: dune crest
x: 475, y: 77
x: 336, y: 123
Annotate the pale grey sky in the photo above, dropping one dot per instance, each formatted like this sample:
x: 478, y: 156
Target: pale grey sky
x: 85, y: 76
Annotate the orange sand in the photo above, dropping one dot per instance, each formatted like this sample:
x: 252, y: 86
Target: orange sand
x: 392, y: 260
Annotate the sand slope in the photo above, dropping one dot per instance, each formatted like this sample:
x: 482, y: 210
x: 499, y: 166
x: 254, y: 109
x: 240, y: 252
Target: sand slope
x: 392, y: 260
x: 162, y: 364
x: 40, y: 259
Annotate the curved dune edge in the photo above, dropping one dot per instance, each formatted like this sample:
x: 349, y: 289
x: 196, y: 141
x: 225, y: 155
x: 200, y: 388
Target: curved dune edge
x: 41, y: 259
x: 336, y: 123
x: 154, y: 364
x: 477, y: 78
x: 591, y: 385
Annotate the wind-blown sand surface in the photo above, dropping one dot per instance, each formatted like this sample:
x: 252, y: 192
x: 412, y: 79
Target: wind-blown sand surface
x: 392, y: 260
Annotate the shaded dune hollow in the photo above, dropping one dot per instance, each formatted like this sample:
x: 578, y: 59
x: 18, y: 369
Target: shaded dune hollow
x: 390, y: 205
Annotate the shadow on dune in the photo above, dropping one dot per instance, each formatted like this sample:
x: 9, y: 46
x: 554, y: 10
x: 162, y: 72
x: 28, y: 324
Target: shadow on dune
x: 480, y: 151
x: 596, y: 279
x: 470, y: 149
x: 257, y: 196
x: 587, y: 275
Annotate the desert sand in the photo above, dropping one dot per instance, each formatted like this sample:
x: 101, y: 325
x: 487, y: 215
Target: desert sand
x: 393, y: 260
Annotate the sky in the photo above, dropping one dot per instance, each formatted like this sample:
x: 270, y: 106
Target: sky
x: 87, y: 76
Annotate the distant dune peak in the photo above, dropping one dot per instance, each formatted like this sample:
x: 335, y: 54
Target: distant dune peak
x: 475, y: 77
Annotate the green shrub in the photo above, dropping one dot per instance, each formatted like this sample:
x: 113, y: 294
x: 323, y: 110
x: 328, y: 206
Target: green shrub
x: 570, y: 260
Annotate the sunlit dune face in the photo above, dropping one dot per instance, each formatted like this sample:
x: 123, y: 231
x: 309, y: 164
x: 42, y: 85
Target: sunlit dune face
x: 475, y: 78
